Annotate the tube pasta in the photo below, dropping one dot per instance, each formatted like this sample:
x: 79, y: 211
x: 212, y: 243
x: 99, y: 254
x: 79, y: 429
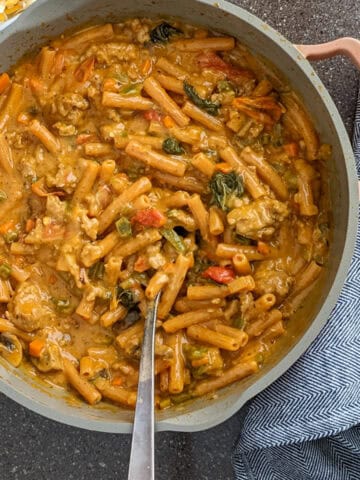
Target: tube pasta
x: 141, y: 240
x: 200, y: 44
x: 206, y: 335
x: 116, y: 184
x: 202, y: 117
x: 153, y: 88
x: 238, y: 372
x: 190, y: 318
x: 177, y: 367
x: 45, y: 136
x: 90, y: 172
x: 252, y: 183
x: 266, y: 172
x: 156, y: 160
x: 141, y: 186
x: 172, y: 289
x: 126, y: 102
x: 85, y: 388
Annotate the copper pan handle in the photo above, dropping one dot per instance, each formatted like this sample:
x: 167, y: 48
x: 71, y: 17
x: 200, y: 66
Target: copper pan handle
x: 350, y: 47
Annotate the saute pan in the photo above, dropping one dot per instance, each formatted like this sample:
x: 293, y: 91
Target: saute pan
x: 50, y: 18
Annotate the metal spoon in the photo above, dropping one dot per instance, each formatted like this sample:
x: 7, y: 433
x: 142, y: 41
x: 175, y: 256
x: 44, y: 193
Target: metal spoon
x: 142, y: 464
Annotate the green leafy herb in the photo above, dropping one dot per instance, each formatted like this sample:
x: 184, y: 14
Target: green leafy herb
x: 62, y: 305
x: 175, y: 239
x: 11, y: 237
x: 225, y: 185
x: 162, y: 33
x: 210, y: 107
x: 123, y: 226
x: 5, y: 271
x: 126, y: 297
x: 96, y: 271
x: 172, y: 146
x: 242, y: 240
x: 3, y: 196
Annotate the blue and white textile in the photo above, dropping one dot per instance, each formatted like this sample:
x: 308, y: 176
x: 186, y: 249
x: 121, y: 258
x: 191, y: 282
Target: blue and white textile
x: 306, y: 425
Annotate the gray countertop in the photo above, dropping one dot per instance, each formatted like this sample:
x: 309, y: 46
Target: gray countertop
x: 35, y: 448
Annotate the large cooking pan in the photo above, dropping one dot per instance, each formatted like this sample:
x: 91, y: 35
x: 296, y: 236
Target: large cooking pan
x: 52, y: 17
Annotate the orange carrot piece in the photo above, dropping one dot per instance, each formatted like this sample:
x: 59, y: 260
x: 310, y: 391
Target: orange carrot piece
x: 168, y: 122
x: 6, y: 227
x: 117, y: 381
x: 263, y: 248
x: 291, y: 149
x: 4, y: 82
x: 30, y: 224
x: 36, y: 346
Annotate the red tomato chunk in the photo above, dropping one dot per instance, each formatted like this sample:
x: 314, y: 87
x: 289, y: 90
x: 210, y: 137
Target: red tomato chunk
x: 149, y: 217
x: 219, y: 274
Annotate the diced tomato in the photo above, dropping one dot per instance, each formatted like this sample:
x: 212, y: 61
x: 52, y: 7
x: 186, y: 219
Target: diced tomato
x: 149, y: 217
x: 152, y: 115
x: 291, y: 149
x: 234, y: 73
x: 219, y: 274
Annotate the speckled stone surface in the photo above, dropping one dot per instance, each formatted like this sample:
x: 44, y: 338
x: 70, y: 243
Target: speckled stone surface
x: 34, y: 448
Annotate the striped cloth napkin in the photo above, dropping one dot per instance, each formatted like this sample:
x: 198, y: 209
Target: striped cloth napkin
x: 306, y: 425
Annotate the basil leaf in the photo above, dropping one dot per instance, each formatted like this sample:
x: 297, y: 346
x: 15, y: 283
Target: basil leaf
x: 162, y: 33
x: 225, y: 185
x: 172, y: 146
x: 210, y: 107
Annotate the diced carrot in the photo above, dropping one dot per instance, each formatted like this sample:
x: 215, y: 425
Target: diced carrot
x: 4, y: 82
x: 85, y: 70
x: 30, y: 224
x: 145, y: 69
x: 23, y: 118
x: 86, y: 138
x: 263, y: 248
x: 168, y: 122
x: 223, y: 167
x: 110, y: 85
x: 141, y: 264
x: 117, y: 381
x: 291, y: 149
x: 36, y: 346
x: 6, y: 227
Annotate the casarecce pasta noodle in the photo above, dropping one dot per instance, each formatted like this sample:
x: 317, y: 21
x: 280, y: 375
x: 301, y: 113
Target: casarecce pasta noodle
x: 145, y: 157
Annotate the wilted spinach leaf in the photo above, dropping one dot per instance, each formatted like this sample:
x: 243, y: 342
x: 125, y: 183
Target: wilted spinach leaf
x: 225, y: 185
x: 162, y: 32
x: 210, y: 107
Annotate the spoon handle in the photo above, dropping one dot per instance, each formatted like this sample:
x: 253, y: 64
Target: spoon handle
x: 142, y: 446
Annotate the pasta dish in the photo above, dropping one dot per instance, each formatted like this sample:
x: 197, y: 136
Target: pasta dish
x: 145, y: 157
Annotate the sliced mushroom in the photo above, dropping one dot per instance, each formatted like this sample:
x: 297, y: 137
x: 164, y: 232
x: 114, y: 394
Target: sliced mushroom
x: 49, y: 359
x: 11, y: 348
